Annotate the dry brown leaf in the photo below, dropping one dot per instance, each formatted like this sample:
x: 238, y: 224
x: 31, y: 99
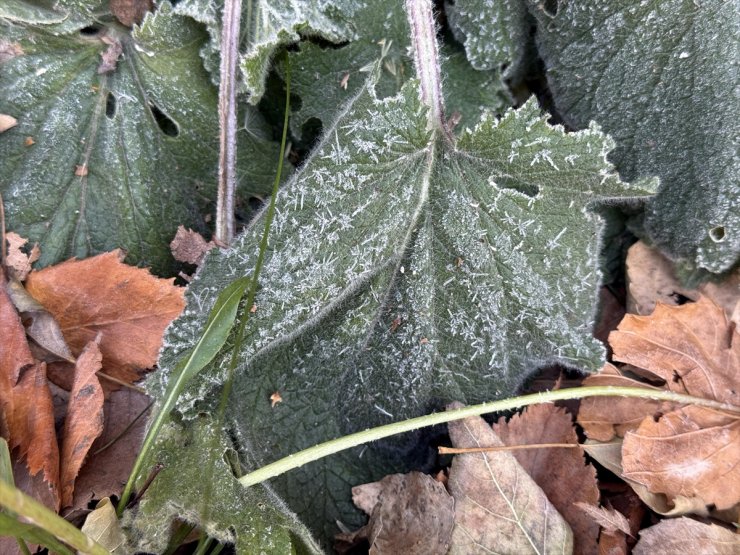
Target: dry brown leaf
x: 603, y: 418
x: 189, y: 246
x: 562, y: 473
x: 129, y: 12
x: 610, y: 520
x: 613, y: 544
x: 498, y: 507
x: 7, y: 122
x: 692, y: 347
x: 413, y: 515
x: 17, y: 262
x: 25, y: 400
x: 685, y: 535
x: 84, y: 421
x: 651, y: 278
x: 127, y: 305
x: 690, y: 452
x: 105, y: 472
x: 366, y: 496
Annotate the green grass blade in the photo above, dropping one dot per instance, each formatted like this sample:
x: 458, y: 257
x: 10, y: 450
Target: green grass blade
x: 216, y: 332
x: 48, y: 529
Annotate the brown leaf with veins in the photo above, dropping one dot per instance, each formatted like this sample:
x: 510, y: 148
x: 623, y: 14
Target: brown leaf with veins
x: 25, y: 400
x: 127, y: 305
x: 690, y: 452
x: 105, y: 472
x: 692, y: 347
x: 603, y: 418
x: 562, y: 473
x: 498, y: 507
x: 411, y: 514
x: 84, y: 420
x: 685, y: 535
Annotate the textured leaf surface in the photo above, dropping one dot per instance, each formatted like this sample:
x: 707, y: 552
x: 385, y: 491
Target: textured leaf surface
x: 662, y: 78
x: 267, y: 25
x: 403, y: 270
x: 685, y: 535
x: 115, y: 159
x: 499, y: 508
x: 493, y: 31
x: 247, y: 517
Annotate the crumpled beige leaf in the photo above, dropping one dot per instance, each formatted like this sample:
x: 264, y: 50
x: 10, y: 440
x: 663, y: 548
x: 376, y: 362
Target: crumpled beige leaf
x: 610, y: 520
x: 189, y: 246
x: 563, y: 474
x: 412, y: 514
x: 498, y: 507
x: 103, y: 526
x: 7, y: 122
x: 685, y: 535
x: 17, y: 262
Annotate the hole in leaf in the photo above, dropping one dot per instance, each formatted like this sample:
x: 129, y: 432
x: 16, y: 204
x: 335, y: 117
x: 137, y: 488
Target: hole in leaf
x: 91, y: 30
x: 717, y: 234
x: 164, y: 122
x: 255, y: 203
x: 680, y: 299
x: 550, y: 7
x: 110, y: 106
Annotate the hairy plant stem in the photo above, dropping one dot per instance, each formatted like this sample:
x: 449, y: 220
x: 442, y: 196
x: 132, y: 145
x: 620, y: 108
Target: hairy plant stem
x: 426, y: 59
x: 296, y: 460
x: 227, y: 122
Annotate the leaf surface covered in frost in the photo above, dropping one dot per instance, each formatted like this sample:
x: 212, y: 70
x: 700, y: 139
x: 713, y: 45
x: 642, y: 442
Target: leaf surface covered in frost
x: 114, y: 159
x: 267, y: 25
x: 494, y: 32
x: 404, y: 271
x: 662, y: 79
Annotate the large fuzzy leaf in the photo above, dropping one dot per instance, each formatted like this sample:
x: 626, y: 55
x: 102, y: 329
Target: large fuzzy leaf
x: 404, y: 271
x: 662, y: 78
x: 114, y: 159
x: 267, y: 25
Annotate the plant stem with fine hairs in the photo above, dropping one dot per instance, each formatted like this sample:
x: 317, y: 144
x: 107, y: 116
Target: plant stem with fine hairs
x: 227, y: 122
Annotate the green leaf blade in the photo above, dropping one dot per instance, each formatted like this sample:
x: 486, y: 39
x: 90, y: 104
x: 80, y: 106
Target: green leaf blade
x: 403, y: 271
x: 661, y: 78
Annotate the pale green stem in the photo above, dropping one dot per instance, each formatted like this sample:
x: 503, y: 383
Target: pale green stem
x: 36, y: 513
x: 296, y: 460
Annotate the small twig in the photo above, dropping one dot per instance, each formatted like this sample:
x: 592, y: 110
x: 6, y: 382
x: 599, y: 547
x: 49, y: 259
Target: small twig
x: 125, y: 430
x: 121, y: 382
x: 227, y: 121
x: 153, y: 474
x: 463, y: 450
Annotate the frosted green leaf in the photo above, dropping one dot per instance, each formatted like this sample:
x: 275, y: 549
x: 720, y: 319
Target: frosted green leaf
x: 112, y: 159
x: 494, y: 32
x: 266, y: 26
x: 404, y: 271
x: 326, y: 78
x: 662, y: 79
x: 254, y: 519
x: 468, y: 92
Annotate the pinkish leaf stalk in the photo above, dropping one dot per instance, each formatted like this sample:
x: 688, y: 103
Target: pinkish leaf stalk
x: 426, y: 59
x: 227, y: 121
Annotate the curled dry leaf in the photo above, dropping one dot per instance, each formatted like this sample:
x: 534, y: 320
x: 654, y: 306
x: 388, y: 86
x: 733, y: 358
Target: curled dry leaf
x: 603, y: 418
x: 17, y: 262
x: 103, y: 526
x: 7, y: 122
x: 189, y: 246
x: 84, y: 421
x: 692, y: 347
x: 651, y: 279
x: 128, y: 306
x: 411, y: 514
x: 690, y: 452
x: 25, y: 400
x: 498, y: 507
x: 130, y: 12
x: 685, y: 535
x: 563, y: 474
